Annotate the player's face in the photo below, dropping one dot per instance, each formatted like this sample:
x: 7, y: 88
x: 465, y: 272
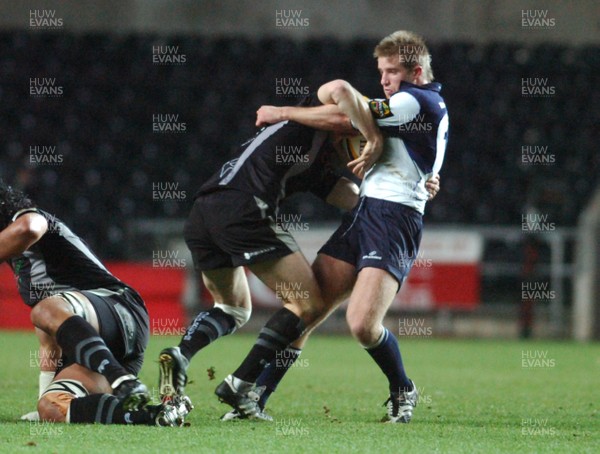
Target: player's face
x: 392, y: 74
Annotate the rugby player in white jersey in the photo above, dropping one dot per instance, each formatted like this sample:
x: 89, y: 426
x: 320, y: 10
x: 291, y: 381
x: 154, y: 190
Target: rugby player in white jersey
x: 371, y: 253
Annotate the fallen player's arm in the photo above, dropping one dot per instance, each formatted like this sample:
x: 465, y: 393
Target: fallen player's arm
x: 19, y: 236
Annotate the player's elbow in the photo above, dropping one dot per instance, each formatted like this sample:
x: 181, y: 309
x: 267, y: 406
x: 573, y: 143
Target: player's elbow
x: 331, y: 92
x: 340, y: 90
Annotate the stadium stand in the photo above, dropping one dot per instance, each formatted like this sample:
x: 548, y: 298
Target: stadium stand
x: 102, y: 123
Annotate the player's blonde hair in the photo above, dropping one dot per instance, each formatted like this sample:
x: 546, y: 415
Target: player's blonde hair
x: 410, y: 48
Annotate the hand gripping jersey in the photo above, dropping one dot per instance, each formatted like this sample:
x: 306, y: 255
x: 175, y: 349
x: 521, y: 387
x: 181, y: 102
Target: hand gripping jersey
x: 414, y: 122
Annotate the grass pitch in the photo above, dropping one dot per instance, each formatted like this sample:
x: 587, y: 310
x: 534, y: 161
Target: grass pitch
x: 476, y: 397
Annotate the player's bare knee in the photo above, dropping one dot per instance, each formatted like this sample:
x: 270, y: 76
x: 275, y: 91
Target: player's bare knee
x: 232, y: 298
x: 49, y: 411
x: 362, y: 331
x: 47, y: 315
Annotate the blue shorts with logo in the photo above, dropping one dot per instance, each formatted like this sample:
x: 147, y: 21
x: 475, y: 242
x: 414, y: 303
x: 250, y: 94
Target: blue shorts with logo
x: 378, y: 234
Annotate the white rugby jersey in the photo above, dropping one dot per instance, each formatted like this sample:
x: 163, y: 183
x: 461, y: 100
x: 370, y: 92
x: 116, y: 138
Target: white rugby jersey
x: 414, y: 122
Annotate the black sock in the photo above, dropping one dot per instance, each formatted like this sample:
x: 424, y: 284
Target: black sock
x: 107, y: 409
x: 274, y: 372
x: 81, y: 344
x: 283, y: 328
x: 387, y: 356
x: 206, y: 328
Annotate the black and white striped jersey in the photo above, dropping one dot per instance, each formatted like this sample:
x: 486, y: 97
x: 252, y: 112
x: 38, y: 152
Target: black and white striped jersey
x: 58, y: 262
x: 278, y: 153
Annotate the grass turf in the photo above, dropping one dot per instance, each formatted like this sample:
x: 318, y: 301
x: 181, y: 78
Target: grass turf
x: 476, y: 396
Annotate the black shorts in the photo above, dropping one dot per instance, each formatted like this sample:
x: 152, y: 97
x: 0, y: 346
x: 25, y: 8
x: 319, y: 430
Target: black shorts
x: 378, y: 234
x: 124, y: 325
x: 230, y: 228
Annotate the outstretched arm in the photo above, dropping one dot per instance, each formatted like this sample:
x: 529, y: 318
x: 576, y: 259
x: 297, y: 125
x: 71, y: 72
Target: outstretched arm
x: 326, y: 117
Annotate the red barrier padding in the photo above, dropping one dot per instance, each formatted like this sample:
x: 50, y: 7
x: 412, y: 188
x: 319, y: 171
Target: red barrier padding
x: 161, y: 289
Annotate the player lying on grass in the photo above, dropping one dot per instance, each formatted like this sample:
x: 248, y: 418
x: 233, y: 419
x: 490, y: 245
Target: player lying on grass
x: 223, y: 240
x: 98, y: 323
x: 373, y: 250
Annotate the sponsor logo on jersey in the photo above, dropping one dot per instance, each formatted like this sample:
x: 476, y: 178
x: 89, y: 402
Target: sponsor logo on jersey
x: 249, y: 255
x: 372, y: 255
x: 380, y: 108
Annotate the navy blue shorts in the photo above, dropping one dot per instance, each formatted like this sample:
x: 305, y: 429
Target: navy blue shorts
x: 378, y: 234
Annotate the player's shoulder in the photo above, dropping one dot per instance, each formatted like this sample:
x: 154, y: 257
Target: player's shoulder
x: 31, y: 212
x: 425, y: 89
x: 53, y: 223
x: 426, y: 95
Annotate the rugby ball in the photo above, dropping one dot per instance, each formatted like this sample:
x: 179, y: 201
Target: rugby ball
x: 354, y: 146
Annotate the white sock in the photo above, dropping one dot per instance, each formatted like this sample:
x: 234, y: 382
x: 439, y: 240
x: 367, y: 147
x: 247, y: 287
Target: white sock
x: 45, y: 379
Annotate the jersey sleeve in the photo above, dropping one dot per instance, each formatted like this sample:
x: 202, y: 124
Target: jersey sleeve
x: 24, y: 211
x: 401, y: 108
